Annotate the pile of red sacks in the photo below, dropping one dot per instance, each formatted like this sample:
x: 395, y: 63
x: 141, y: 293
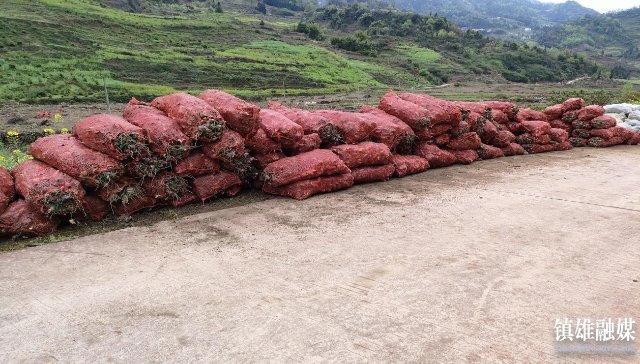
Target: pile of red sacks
x: 179, y: 149
x: 588, y: 126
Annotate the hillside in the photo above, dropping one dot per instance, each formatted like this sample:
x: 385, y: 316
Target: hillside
x: 503, y: 18
x: 612, y: 39
x: 65, y: 50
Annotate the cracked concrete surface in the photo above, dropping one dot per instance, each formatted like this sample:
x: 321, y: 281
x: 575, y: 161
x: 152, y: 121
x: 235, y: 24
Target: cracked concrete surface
x: 468, y: 263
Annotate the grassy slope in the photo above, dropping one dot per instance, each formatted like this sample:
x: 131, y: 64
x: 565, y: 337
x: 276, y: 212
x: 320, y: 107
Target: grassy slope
x: 57, y: 50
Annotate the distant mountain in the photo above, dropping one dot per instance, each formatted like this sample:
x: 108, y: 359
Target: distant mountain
x: 507, y: 18
x: 612, y: 38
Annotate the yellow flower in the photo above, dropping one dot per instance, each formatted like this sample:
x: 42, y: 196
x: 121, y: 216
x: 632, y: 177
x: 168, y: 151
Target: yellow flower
x: 2, y: 159
x: 57, y: 116
x: 64, y: 131
x: 16, y: 151
x: 49, y: 131
x: 12, y: 133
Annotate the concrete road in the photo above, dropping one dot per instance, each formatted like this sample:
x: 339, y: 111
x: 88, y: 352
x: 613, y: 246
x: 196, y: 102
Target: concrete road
x: 469, y: 263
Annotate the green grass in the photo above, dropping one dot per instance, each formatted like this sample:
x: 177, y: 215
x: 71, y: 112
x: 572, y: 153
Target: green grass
x: 56, y: 50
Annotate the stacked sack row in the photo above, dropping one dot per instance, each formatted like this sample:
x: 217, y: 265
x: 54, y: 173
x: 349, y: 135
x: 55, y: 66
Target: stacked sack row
x: 589, y: 126
x: 176, y: 150
x: 180, y: 149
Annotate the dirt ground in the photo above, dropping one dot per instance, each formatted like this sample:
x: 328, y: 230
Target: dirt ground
x: 463, y: 264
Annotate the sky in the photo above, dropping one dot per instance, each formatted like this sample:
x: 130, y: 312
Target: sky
x: 603, y: 5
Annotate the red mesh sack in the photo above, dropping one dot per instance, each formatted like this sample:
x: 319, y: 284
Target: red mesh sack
x: 544, y: 148
x: 554, y: 112
x: 442, y: 140
x: 487, y: 132
x: 465, y: 142
x: 570, y: 116
x: 415, y: 116
x: 581, y: 133
x: 503, y: 138
x: 559, y: 124
x: 563, y: 146
x: 489, y: 152
x: 578, y: 142
x: 212, y: 185
x: 572, y: 104
x: 7, y: 189
x: 311, y: 123
x: 499, y: 117
x: 480, y: 108
x: 527, y: 138
x: 390, y: 130
x: 462, y: 128
x: 440, y: 129
x: 24, y: 219
x: 475, y: 120
x: 306, y: 188
x: 264, y: 160
x: 603, y: 133
x: 465, y: 156
x: 441, y: 111
x: 146, y: 167
x: 198, y: 120
x: 433, y: 132
x: 196, y: 164
x: 508, y: 108
x: 528, y: 114
x: 228, y: 147
x: 535, y: 127
x: 603, y: 122
x: 280, y: 128
x: 240, y: 116
x: 603, y: 143
x: 408, y: 164
x: 558, y: 135
x: 590, y: 112
x: 363, y: 154
x: 435, y: 156
x: 577, y: 124
x: 308, y: 143
x: 634, y: 139
x: 94, y: 208
x: 513, y: 149
x: 165, y: 136
x: 514, y: 127
x: 186, y: 199
x: 123, y: 191
x: 166, y: 186
x: 317, y: 163
x: 67, y: 154
x: 355, y: 127
x: 113, y: 136
x: 49, y: 190
x: 260, y: 143
x: 136, y: 205
x: 617, y: 131
x: 370, y: 174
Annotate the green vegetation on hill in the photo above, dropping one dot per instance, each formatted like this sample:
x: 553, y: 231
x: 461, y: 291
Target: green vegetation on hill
x: 612, y: 39
x: 66, y: 50
x: 462, y: 52
x: 507, y: 18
